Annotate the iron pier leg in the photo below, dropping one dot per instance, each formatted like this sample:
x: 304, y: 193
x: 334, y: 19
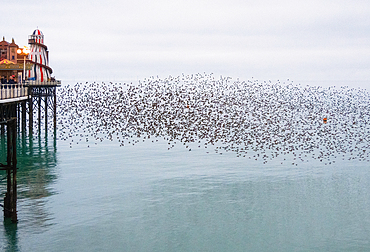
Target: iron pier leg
x: 2, y: 130
x: 39, y: 108
x: 14, y: 168
x: 46, y: 112
x: 30, y: 115
x: 23, y: 116
x: 18, y: 113
x: 10, y: 200
x: 55, y: 108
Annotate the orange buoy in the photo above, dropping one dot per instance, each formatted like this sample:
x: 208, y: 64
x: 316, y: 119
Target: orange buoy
x: 325, y: 120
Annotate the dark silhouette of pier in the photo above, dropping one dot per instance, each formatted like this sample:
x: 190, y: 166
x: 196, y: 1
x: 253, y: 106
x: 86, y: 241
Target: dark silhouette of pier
x: 32, y: 98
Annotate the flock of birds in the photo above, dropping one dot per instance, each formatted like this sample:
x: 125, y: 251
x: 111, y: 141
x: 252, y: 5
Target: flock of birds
x: 254, y: 119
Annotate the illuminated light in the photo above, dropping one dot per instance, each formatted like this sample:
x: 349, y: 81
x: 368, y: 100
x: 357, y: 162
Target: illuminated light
x: 26, y: 50
x: 23, y: 50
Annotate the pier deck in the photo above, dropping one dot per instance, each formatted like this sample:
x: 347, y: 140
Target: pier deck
x: 26, y: 97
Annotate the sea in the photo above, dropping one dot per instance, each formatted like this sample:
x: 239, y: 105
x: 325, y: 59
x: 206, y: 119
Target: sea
x: 144, y: 196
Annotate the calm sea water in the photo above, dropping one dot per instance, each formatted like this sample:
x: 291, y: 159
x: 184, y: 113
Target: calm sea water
x: 144, y: 197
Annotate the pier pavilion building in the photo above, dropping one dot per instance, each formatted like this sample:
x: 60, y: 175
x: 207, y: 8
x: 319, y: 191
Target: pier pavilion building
x: 35, y: 65
x: 12, y: 62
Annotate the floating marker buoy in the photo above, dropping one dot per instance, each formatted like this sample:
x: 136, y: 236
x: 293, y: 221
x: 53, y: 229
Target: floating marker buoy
x: 325, y: 120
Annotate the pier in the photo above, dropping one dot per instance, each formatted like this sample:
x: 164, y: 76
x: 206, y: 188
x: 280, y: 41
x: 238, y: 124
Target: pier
x: 17, y: 102
x: 27, y: 92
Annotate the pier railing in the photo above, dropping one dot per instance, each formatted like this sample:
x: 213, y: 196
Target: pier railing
x: 8, y: 91
x: 43, y: 83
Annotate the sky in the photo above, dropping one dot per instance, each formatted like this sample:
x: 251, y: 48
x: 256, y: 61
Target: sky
x: 317, y: 42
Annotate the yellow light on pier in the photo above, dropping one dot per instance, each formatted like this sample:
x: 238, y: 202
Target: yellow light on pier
x: 24, y: 51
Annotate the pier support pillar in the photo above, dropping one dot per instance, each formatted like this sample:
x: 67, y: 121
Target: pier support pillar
x: 39, y: 108
x: 23, y: 116
x: 55, y: 108
x: 46, y: 113
x: 18, y: 108
x: 10, y: 199
x: 30, y: 115
x: 2, y: 130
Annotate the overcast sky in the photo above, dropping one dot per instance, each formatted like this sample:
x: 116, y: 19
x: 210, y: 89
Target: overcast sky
x: 310, y: 42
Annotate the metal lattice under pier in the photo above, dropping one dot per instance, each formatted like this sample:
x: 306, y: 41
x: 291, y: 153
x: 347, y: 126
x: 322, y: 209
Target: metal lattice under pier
x: 42, y: 101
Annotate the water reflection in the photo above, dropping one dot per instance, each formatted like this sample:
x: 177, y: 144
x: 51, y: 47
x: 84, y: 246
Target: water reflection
x: 214, y: 214
x: 36, y: 162
x: 11, y: 243
x: 36, y: 166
